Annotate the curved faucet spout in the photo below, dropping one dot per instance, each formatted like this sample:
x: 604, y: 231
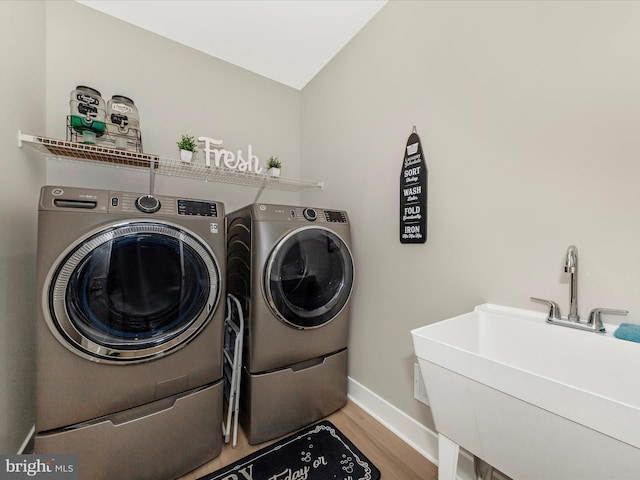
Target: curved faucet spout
x: 594, y: 323
x: 571, y: 267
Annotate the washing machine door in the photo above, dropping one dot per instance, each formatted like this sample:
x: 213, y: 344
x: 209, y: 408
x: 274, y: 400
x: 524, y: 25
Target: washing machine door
x: 309, y: 277
x: 133, y: 291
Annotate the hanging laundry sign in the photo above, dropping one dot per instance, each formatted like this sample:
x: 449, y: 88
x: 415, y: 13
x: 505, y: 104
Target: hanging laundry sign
x: 413, y: 193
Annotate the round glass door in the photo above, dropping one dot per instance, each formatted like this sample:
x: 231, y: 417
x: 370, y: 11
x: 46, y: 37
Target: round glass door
x: 309, y: 277
x: 133, y: 291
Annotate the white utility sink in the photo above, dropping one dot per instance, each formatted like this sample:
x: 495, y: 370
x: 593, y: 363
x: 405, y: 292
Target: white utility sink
x: 535, y: 400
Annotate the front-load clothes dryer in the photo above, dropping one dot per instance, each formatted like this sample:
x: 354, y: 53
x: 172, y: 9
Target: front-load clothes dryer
x: 292, y: 269
x: 129, y: 331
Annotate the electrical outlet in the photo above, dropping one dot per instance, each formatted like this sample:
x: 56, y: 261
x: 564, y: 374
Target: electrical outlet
x: 419, y: 388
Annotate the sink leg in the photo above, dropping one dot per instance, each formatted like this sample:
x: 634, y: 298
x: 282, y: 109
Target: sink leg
x: 447, y: 458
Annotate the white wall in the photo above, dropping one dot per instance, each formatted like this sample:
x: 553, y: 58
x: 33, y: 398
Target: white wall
x: 176, y: 90
x: 22, y: 85
x: 528, y: 116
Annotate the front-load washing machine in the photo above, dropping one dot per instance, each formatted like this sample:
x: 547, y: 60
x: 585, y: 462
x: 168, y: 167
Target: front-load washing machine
x: 129, y: 331
x: 292, y: 269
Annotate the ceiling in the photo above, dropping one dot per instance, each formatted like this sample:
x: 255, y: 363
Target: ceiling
x: 288, y: 41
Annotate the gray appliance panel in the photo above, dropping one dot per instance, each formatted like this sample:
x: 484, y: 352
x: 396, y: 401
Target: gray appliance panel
x: 165, y: 439
x: 279, y: 402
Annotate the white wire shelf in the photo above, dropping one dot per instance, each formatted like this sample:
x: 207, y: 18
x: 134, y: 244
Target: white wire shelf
x: 93, y: 154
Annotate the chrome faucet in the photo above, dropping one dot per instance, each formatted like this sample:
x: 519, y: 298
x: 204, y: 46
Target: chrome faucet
x: 594, y: 323
x: 571, y: 267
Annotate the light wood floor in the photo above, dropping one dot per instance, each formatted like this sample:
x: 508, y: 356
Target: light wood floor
x: 394, y: 458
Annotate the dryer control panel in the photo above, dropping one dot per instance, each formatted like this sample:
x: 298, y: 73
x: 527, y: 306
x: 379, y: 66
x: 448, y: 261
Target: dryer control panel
x: 267, y: 212
x: 318, y: 214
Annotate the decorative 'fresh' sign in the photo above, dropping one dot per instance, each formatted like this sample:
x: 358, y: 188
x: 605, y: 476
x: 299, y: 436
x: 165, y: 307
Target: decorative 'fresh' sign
x: 413, y: 193
x: 228, y: 159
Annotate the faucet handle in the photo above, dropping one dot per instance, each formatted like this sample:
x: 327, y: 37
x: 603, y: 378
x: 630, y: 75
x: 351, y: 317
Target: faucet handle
x: 596, y: 320
x: 554, y: 308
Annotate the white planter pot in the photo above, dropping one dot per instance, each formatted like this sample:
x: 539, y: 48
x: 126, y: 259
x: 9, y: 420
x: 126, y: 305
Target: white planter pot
x: 275, y: 172
x: 186, y: 156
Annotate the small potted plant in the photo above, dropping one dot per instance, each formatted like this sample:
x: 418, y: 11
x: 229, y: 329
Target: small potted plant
x: 188, y: 147
x: 274, y: 165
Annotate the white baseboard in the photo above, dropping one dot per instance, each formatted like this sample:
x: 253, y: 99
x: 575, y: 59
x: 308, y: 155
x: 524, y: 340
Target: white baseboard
x: 419, y: 437
x: 27, y: 440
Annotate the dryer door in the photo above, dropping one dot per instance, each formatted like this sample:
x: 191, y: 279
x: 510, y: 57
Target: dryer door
x: 309, y: 277
x: 133, y: 291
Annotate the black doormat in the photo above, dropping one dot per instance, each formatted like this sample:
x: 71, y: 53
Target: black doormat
x: 319, y: 452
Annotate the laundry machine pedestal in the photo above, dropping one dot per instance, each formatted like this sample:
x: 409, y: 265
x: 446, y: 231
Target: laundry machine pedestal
x: 281, y: 401
x: 162, y: 439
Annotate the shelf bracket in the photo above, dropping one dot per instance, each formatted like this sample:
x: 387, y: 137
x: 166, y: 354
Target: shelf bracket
x: 24, y: 138
x: 260, y: 190
x: 152, y: 175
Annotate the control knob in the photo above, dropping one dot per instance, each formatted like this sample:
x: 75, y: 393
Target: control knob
x: 148, y: 204
x: 310, y: 214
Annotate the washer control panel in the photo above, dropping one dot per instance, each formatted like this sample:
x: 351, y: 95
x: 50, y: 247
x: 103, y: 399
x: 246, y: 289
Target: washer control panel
x: 335, y: 216
x: 193, y: 207
x: 129, y: 203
